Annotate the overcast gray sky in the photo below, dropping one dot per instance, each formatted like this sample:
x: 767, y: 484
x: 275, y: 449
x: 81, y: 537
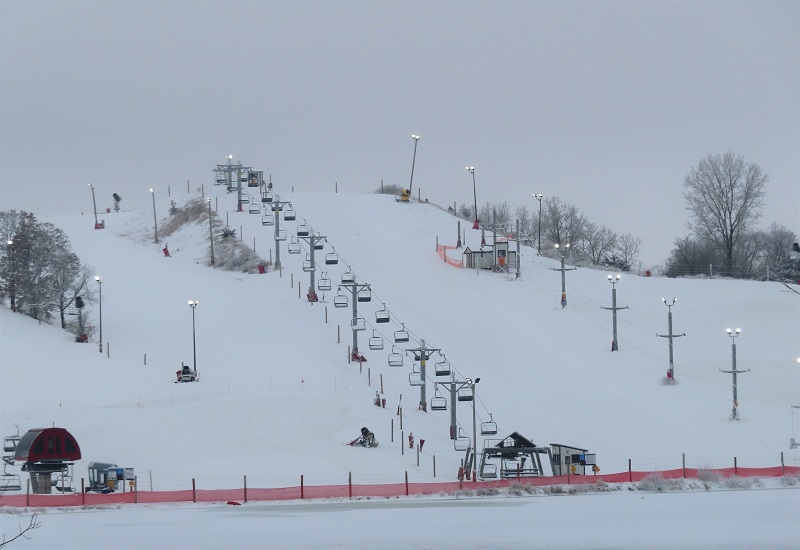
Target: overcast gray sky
x: 606, y: 105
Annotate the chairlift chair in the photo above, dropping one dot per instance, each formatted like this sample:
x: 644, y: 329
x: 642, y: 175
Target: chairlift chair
x: 382, y: 315
x: 280, y: 235
x: 308, y: 266
x: 245, y: 199
x: 303, y: 230
x: 254, y: 208
x: 395, y: 358
x: 401, y: 335
x: 289, y: 214
x: 340, y: 300
x: 331, y: 258
x: 465, y: 394
x: 243, y: 178
x: 267, y: 219
x: 442, y: 368
x: 489, y: 428
x: 294, y: 246
x: 268, y: 196
x: 319, y: 244
x: 364, y: 295
x: 462, y: 442
x: 324, y: 282
x: 348, y: 278
x: 375, y: 341
x: 415, y: 378
x: 438, y: 403
x: 9, y: 482
x: 358, y: 323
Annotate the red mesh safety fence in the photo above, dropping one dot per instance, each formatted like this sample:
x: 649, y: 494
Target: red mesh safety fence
x: 445, y: 256
x: 371, y: 490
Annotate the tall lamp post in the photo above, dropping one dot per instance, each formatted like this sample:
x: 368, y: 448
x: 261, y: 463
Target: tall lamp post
x: 614, y: 280
x: 471, y: 170
x: 734, y: 372
x: 210, y: 230
x: 193, y: 305
x: 413, y: 161
x: 155, y: 220
x: 671, y: 370
x: 538, y: 197
x: 94, y: 206
x: 100, y: 285
x: 10, y: 249
x: 563, y: 271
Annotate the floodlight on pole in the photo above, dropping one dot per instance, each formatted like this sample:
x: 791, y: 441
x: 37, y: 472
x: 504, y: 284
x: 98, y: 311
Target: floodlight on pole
x: 670, y: 335
x: 193, y: 305
x: 563, y: 271
x: 94, y: 206
x: 471, y: 170
x: 100, y: 286
x: 413, y: 161
x: 538, y: 197
x: 733, y: 335
x: 614, y: 279
x: 155, y: 219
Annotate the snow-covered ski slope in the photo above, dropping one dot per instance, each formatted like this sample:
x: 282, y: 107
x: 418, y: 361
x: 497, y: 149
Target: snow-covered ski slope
x: 277, y: 397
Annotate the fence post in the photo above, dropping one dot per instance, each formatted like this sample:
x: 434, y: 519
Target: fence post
x: 392, y: 430
x: 684, y: 465
x: 418, y: 455
x: 326, y: 315
x: 406, y: 482
x: 194, y: 492
x: 350, y: 484
x: 349, y: 356
x: 735, y: 467
x: 245, y: 488
x: 783, y: 466
x: 145, y: 358
x: 302, y: 492
x: 434, y: 465
x: 630, y: 472
x: 369, y: 377
x: 135, y: 490
x: 28, y: 493
x: 83, y: 492
x: 402, y: 447
x: 338, y: 334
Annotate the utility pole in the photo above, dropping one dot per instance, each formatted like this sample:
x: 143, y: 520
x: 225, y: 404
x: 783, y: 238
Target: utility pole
x: 614, y: 308
x: 413, y: 161
x: 538, y: 197
x: 519, y: 256
x: 734, y: 372
x: 671, y: 370
x: 422, y: 354
x: 563, y: 270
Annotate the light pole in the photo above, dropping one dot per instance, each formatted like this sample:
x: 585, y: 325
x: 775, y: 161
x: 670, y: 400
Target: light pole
x: 413, y: 161
x: 671, y: 370
x: 733, y: 335
x: 210, y: 230
x: 100, y: 285
x: 155, y: 220
x: 13, y: 275
x: 471, y: 170
x: 614, y: 280
x: 563, y: 271
x: 193, y: 305
x: 538, y: 197
x: 94, y: 206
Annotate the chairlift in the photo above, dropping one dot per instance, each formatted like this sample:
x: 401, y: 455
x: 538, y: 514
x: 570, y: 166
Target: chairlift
x: 289, y: 214
x: 254, y: 208
x: 252, y: 179
x: 489, y: 428
x: 245, y: 199
x: 267, y: 219
x: 382, y: 315
x: 488, y: 470
x: 415, y: 378
x: 324, y: 282
x: 375, y: 341
x: 462, y: 442
x: 308, y: 265
x: 294, y: 246
x: 243, y: 178
x: 280, y: 235
x: 303, y: 230
x: 365, y: 295
x: 442, y: 368
x: 9, y: 482
x: 401, y: 335
x: 348, y: 278
x: 340, y: 300
x: 268, y: 196
x: 331, y: 258
x: 358, y: 323
x: 465, y: 394
x: 438, y: 403
x: 395, y: 358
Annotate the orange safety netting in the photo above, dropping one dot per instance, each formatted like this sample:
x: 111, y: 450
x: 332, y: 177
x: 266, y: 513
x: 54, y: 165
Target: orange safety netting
x: 442, y: 251
x: 353, y: 490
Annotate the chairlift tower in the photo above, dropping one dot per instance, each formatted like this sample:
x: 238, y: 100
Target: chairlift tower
x: 311, y: 238
x: 455, y: 386
x: 356, y: 288
x: 224, y: 174
x: 422, y: 354
x: 277, y: 205
x: 671, y: 371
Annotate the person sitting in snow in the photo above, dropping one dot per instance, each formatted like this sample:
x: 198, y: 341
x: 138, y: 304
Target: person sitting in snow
x: 366, y: 439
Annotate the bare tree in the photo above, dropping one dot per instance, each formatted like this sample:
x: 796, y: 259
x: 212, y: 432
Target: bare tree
x: 32, y: 524
x: 598, y: 242
x: 562, y: 223
x: 724, y: 196
x: 627, y: 250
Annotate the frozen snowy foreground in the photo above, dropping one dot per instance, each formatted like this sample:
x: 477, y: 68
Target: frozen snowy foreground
x: 730, y: 519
